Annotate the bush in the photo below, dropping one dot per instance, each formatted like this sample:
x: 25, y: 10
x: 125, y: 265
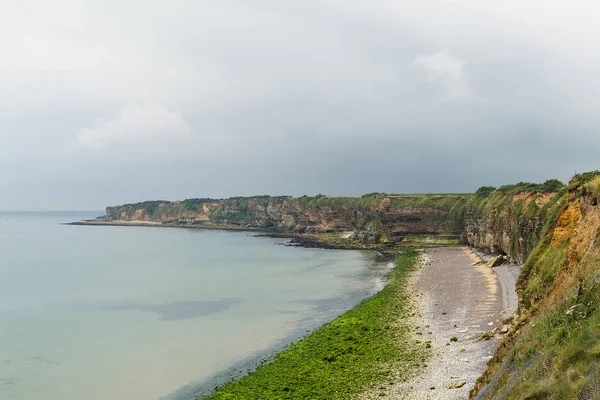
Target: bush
x: 485, y: 190
x: 552, y: 185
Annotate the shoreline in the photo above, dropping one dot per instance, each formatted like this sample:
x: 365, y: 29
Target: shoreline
x: 332, y: 240
x: 459, y: 355
x: 369, y: 345
x: 93, y: 222
x: 247, y: 365
x: 462, y: 312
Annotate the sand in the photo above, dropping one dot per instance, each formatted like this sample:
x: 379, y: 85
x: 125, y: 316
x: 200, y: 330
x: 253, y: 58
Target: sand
x: 457, y: 299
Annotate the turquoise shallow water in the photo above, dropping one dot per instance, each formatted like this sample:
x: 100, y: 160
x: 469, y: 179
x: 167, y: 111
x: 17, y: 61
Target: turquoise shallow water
x: 146, y: 313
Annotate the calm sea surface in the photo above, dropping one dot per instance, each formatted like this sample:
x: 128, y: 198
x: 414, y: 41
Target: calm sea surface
x: 147, y: 313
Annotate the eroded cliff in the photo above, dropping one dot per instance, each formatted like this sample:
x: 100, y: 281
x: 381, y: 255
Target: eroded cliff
x: 373, y: 216
x: 507, y: 220
x: 552, y: 349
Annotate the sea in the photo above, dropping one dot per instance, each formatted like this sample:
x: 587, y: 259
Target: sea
x: 138, y: 313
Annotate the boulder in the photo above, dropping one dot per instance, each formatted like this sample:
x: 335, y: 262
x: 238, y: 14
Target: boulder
x: 497, y: 261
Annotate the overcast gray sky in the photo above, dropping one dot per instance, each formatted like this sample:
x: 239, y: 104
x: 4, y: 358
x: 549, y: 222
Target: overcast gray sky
x: 108, y: 102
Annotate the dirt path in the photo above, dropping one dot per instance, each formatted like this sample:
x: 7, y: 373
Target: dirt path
x: 457, y: 300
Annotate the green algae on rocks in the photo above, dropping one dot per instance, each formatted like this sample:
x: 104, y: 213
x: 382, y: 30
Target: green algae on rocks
x: 368, y: 346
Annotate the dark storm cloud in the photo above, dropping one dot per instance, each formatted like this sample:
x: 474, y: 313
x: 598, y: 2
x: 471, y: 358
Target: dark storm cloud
x: 112, y: 102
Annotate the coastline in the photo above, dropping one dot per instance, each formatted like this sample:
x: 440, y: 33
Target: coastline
x: 333, y: 240
x: 455, y: 365
x: 368, y: 346
x: 462, y: 310
x: 245, y: 366
x: 102, y: 222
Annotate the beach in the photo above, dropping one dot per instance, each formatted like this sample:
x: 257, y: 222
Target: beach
x: 459, y: 299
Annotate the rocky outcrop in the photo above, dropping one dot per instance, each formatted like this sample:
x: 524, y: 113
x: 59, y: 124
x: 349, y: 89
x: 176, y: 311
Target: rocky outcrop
x: 508, y: 221
x: 497, y: 261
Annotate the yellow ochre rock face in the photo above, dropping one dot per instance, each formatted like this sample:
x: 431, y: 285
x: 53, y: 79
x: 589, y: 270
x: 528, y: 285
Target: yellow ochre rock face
x: 566, y: 223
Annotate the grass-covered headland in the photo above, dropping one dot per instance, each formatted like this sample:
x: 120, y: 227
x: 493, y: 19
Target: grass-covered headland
x: 368, y: 347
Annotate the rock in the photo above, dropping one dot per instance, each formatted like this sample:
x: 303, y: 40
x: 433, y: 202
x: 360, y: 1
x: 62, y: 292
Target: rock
x: 497, y: 261
x: 504, y: 329
x: 457, y: 385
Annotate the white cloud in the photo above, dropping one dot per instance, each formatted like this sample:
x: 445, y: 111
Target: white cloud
x: 446, y: 70
x: 138, y: 125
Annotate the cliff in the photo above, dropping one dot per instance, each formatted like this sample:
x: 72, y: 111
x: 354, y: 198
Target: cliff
x: 552, y: 349
x: 507, y: 220
x: 373, y: 216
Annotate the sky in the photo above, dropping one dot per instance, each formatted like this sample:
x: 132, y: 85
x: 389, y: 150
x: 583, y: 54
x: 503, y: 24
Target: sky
x: 111, y: 102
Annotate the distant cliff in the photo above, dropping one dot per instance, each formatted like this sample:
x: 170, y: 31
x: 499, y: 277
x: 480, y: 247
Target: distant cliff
x: 373, y: 216
x: 506, y: 220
